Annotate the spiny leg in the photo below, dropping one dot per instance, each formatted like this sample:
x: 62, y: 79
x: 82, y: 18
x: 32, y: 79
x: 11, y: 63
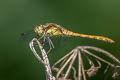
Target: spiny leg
x: 44, y: 41
x: 50, y: 44
x: 47, y: 40
x: 42, y: 36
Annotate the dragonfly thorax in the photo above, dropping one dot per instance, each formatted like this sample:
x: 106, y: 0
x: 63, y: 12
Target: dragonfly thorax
x: 53, y: 31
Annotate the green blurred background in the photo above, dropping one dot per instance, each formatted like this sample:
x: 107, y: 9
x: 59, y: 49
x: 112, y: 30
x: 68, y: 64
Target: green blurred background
x: 98, y: 17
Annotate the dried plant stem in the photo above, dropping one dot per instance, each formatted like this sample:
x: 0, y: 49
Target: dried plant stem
x: 74, y: 74
x: 59, y: 72
x: 102, y: 51
x: 63, y: 58
x: 79, y: 66
x: 70, y: 66
x: 44, y: 60
x: 69, y: 59
x: 83, y: 70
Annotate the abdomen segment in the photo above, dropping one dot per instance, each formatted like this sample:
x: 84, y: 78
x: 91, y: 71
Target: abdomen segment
x: 70, y: 33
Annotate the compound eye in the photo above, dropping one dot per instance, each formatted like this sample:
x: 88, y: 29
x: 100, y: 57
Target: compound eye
x: 38, y: 27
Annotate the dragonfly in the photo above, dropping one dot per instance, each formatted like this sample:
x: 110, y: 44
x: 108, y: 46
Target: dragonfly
x: 45, y: 32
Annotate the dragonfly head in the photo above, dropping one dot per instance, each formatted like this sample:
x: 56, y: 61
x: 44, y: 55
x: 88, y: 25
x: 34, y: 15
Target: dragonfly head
x: 39, y: 29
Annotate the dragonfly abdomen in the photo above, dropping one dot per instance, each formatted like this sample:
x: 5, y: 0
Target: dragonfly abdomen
x: 70, y: 33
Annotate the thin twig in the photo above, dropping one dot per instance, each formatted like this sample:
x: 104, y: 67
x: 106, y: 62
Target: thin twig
x: 103, y: 60
x: 70, y: 66
x: 63, y: 58
x: 79, y: 67
x: 61, y: 69
x: 83, y: 70
x: 102, y: 51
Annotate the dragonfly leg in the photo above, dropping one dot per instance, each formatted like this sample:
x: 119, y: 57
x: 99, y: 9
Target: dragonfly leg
x: 45, y: 40
x: 43, y: 36
x: 50, y: 44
